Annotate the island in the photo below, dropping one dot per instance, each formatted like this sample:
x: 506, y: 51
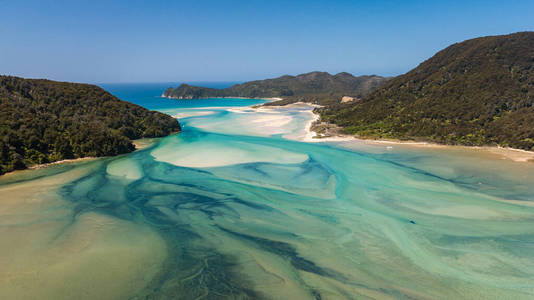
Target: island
x: 314, y: 87
x: 45, y: 121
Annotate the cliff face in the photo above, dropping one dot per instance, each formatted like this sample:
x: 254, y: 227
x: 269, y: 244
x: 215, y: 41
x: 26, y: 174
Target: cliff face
x: 44, y: 121
x: 319, y: 87
x: 477, y: 92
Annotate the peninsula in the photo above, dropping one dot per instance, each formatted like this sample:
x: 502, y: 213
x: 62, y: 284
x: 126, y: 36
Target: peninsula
x: 45, y: 121
x: 314, y: 87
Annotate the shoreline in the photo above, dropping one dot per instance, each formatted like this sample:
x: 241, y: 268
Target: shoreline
x: 333, y: 135
x: 59, y: 162
x: 142, y: 143
x: 139, y: 145
x: 516, y: 155
x: 312, y: 136
x: 271, y: 99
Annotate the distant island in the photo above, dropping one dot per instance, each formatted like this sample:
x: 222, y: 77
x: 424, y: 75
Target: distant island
x: 478, y: 92
x: 314, y: 87
x: 44, y: 121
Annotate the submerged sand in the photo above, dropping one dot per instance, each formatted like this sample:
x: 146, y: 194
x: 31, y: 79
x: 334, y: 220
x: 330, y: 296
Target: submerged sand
x: 206, y: 154
x: 48, y: 252
x: 214, y: 214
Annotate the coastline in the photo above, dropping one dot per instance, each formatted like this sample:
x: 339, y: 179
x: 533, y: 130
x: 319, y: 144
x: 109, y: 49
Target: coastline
x: 139, y: 145
x: 312, y: 136
x: 271, y: 99
x: 142, y: 143
x: 516, y: 155
x: 63, y: 161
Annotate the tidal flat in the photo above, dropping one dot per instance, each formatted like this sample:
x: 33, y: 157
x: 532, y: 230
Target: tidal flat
x: 238, y: 207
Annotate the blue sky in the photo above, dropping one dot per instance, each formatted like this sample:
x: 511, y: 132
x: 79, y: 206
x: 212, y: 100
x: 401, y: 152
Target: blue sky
x: 163, y: 41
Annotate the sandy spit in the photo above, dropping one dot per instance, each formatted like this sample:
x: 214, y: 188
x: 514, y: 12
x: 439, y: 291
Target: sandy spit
x: 517, y: 155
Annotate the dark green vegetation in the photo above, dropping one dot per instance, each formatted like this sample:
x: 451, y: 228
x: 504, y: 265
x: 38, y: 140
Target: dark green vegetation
x: 478, y: 92
x: 44, y: 121
x: 315, y: 87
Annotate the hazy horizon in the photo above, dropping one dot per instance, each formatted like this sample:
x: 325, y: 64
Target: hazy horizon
x: 237, y: 41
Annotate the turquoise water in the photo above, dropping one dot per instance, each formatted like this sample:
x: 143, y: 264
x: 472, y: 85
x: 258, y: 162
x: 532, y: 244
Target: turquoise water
x: 238, y: 207
x: 149, y: 94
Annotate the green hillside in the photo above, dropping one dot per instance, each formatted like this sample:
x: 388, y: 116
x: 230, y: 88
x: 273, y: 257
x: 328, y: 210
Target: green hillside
x: 44, y: 121
x: 477, y: 92
x: 316, y: 87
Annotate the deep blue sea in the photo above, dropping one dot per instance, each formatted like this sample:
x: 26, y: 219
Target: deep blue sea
x: 148, y: 95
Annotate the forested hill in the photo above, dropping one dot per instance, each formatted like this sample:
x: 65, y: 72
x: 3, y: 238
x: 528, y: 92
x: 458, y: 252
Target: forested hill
x: 477, y: 92
x: 44, y: 121
x: 317, y: 87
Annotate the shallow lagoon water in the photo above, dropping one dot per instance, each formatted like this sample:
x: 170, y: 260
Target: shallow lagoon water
x: 236, y: 207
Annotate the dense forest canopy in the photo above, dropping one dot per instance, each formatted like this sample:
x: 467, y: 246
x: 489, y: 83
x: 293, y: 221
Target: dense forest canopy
x: 315, y: 87
x: 44, y: 121
x: 477, y: 92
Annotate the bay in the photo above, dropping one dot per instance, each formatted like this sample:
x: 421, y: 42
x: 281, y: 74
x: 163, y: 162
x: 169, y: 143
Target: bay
x: 241, y: 205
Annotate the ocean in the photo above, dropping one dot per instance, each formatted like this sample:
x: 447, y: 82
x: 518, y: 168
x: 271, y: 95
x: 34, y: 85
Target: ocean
x: 149, y: 94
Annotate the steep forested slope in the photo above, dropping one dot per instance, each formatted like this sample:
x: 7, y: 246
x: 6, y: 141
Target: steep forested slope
x: 44, y: 121
x: 477, y: 92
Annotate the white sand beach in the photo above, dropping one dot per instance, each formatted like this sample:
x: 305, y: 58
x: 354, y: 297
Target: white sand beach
x: 516, y: 155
